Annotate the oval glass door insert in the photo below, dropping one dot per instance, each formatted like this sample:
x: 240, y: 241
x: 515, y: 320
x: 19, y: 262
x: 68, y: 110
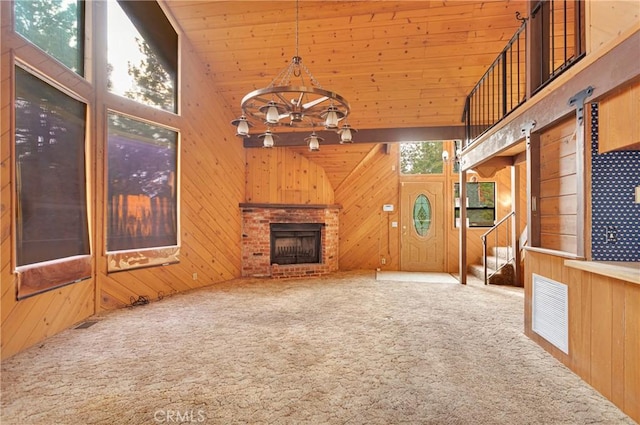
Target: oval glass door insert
x: 422, y: 215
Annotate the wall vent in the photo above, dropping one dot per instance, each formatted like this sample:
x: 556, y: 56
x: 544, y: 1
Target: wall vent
x: 550, y: 311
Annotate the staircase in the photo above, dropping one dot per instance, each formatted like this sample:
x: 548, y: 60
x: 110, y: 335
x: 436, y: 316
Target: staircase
x: 498, y: 257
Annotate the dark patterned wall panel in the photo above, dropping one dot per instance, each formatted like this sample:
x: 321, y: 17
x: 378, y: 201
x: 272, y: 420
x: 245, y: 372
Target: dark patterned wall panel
x: 614, y: 178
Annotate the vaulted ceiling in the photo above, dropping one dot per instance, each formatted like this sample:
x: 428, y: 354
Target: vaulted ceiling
x: 400, y: 64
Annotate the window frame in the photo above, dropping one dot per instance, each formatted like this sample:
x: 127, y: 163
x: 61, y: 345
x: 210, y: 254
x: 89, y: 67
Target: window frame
x: 125, y: 260
x: 66, y: 270
x: 135, y: 258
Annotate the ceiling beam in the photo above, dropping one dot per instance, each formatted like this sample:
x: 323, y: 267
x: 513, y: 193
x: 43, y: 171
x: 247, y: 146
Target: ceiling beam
x: 374, y: 135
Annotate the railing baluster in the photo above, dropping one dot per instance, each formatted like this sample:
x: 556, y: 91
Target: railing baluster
x: 552, y: 35
x: 504, y: 83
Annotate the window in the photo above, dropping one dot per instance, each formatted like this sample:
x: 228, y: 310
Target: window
x: 481, y: 210
x: 142, y: 200
x: 51, y: 216
x: 142, y: 54
x: 422, y: 215
x: 421, y: 158
x: 55, y: 26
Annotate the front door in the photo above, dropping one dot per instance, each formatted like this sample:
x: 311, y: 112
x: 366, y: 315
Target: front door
x: 422, y: 224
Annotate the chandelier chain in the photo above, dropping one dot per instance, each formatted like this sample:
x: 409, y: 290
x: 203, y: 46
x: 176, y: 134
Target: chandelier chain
x: 297, y: 27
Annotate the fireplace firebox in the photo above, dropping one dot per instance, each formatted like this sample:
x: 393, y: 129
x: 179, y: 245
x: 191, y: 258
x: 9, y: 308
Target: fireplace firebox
x: 296, y: 243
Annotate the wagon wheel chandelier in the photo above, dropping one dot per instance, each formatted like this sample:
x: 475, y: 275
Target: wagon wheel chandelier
x: 294, y: 99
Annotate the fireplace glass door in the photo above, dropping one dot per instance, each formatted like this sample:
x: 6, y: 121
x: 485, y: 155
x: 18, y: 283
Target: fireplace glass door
x: 295, y: 243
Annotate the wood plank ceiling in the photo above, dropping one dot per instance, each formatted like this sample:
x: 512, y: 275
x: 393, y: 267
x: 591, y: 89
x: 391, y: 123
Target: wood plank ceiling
x: 400, y: 64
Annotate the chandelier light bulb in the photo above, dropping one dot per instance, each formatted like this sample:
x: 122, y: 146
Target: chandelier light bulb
x: 243, y: 128
x: 313, y: 141
x: 314, y: 145
x: 332, y: 118
x: 346, y: 134
x: 268, y: 140
x: 273, y: 115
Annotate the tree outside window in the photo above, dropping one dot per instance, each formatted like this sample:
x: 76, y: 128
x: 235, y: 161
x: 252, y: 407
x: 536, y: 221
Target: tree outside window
x: 55, y: 26
x: 421, y: 158
x: 142, y: 200
x: 50, y: 172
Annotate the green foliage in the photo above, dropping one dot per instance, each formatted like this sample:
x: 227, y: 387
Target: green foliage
x: 421, y: 158
x: 154, y: 85
x: 52, y: 25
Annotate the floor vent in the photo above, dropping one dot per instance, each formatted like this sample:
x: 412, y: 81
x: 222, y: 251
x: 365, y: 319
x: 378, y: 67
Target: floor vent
x: 550, y: 311
x: 85, y: 325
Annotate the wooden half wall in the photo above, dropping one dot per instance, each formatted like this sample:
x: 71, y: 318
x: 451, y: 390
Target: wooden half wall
x: 604, y: 329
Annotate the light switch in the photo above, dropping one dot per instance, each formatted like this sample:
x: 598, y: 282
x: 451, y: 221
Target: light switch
x: 387, y: 207
x: 394, y: 224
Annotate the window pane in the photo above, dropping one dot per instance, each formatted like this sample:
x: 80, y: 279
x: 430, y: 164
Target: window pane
x: 142, y: 54
x: 421, y: 158
x: 422, y: 215
x: 456, y: 164
x: 50, y: 172
x: 55, y: 26
x: 481, y: 211
x: 481, y: 195
x: 142, y: 201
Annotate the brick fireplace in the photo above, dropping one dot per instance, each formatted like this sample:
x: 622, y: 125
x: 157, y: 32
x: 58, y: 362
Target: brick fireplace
x: 294, y: 222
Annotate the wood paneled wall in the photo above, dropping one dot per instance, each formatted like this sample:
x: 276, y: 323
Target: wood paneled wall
x: 619, y: 126
x: 606, y: 20
x: 212, y: 184
x: 558, y: 188
x: 604, y: 329
x: 285, y: 176
x: 366, y: 235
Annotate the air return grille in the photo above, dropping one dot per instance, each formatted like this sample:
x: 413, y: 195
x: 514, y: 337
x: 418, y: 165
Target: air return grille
x: 550, y: 311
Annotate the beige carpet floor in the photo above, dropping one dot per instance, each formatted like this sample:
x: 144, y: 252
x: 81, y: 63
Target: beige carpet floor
x: 343, y: 349
x: 416, y: 277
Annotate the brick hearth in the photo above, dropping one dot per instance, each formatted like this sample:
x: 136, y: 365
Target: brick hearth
x: 256, y: 254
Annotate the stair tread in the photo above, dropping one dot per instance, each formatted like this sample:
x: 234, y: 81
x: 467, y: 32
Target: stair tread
x: 491, y: 261
x: 500, y: 278
x: 501, y: 251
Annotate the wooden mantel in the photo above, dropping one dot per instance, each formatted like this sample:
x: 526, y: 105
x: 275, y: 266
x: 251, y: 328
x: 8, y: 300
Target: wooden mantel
x: 291, y: 206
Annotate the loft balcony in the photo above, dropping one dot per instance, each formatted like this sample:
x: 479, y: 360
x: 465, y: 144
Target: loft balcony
x: 543, y: 65
x: 549, y: 41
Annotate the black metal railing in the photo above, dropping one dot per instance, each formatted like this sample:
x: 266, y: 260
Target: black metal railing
x: 503, y: 253
x: 557, y: 38
x: 500, y: 90
x: 547, y: 43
